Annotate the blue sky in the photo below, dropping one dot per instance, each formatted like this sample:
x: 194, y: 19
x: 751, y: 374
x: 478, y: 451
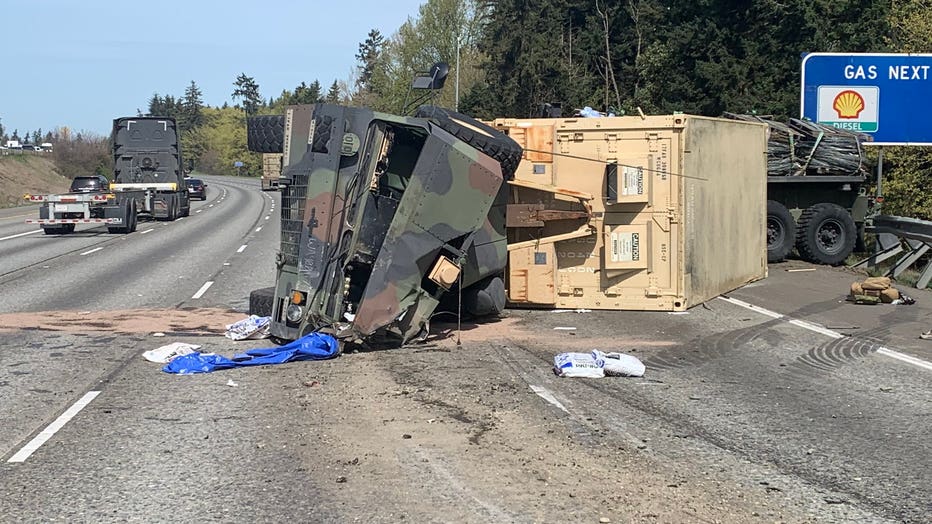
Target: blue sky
x: 83, y: 63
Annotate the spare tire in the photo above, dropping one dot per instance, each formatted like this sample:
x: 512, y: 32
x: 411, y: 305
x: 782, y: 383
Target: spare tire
x: 485, y: 298
x: 481, y: 136
x: 261, y: 300
x: 265, y: 133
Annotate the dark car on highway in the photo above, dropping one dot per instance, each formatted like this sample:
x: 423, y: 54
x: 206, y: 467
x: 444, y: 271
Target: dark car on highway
x: 89, y: 184
x: 196, y: 188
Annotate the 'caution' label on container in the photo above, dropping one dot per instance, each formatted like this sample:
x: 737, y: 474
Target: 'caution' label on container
x: 625, y: 247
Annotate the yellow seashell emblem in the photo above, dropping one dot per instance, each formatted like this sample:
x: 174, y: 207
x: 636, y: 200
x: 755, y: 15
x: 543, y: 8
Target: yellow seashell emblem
x: 848, y: 104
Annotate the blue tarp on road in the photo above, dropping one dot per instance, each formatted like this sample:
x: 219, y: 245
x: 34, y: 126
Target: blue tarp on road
x: 315, y: 346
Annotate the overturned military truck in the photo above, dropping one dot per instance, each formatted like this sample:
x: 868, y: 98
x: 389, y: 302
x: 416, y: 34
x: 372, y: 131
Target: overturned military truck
x: 383, y: 218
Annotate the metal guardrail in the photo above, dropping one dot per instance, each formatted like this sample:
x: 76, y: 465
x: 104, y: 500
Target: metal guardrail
x: 911, y: 236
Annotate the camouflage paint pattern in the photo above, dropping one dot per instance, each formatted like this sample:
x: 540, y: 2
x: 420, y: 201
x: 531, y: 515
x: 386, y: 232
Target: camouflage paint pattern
x: 450, y: 202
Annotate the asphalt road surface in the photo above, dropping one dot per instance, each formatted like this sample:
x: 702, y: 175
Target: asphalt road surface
x: 780, y: 402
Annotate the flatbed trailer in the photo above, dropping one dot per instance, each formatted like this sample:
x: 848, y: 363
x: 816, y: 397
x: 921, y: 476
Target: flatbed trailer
x: 59, y: 214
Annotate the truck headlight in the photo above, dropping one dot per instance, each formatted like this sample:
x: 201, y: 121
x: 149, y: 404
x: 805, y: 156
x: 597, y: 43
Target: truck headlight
x: 294, y: 313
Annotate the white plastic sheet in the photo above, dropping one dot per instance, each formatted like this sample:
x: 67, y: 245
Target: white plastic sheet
x: 253, y: 327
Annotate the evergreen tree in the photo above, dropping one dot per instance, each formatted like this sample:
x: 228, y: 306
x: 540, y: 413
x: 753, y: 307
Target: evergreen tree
x: 191, y: 115
x: 368, y: 56
x: 334, y: 95
x: 248, y: 91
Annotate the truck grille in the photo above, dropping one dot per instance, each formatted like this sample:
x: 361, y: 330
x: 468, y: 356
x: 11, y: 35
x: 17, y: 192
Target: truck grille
x: 293, y: 198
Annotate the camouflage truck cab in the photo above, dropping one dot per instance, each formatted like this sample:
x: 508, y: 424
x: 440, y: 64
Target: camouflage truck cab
x: 383, y: 215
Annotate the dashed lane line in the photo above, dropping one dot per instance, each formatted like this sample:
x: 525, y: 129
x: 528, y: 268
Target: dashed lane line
x: 241, y: 248
x: 21, y: 234
x: 96, y: 249
x: 53, y: 428
x: 204, y: 288
x: 887, y: 352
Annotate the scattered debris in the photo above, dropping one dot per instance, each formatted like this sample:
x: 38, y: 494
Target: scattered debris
x: 314, y: 346
x: 341, y: 479
x: 578, y: 310
x: 164, y: 354
x: 561, y: 328
x: 158, y: 334
x: 597, y: 364
x: 927, y: 335
x: 876, y: 290
x: 575, y: 365
x: 800, y: 270
x: 231, y: 383
x: 406, y: 436
x: 252, y: 327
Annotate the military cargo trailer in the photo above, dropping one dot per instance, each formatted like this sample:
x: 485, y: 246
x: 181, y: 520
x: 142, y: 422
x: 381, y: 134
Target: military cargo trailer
x: 147, y: 169
x: 383, y: 216
x: 658, y: 213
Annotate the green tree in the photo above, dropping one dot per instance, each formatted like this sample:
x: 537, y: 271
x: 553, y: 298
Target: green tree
x: 334, y: 94
x: 191, y: 104
x: 368, y: 56
x: 247, y: 90
x: 306, y: 94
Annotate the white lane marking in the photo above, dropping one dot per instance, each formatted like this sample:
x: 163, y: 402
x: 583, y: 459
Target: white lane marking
x: 204, y: 288
x: 258, y: 229
x: 903, y: 357
x: 21, y: 234
x: 241, y: 248
x: 545, y: 394
x: 266, y: 217
x: 211, y: 205
x: 96, y: 249
x: 146, y: 231
x: 53, y: 428
x: 199, y: 210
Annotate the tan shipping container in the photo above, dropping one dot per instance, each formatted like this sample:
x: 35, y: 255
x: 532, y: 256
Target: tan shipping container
x: 271, y: 170
x: 657, y: 213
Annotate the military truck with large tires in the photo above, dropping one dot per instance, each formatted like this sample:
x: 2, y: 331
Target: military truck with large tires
x: 147, y: 180
x: 383, y: 217
x: 817, y: 199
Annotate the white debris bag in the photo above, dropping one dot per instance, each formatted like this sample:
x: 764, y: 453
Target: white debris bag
x: 253, y: 327
x: 165, y: 354
x: 619, y: 364
x: 577, y: 365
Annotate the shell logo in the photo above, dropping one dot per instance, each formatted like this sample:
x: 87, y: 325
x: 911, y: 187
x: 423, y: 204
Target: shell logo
x: 848, y: 104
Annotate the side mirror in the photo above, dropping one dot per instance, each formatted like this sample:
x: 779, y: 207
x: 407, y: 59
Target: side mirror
x: 433, y: 79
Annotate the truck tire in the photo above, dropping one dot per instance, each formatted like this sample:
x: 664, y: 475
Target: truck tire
x: 265, y: 133
x: 481, y: 136
x: 825, y: 234
x: 485, y: 298
x: 781, y: 232
x: 261, y: 300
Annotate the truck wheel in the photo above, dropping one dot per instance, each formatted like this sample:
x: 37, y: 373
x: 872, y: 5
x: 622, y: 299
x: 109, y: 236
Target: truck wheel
x: 51, y: 230
x: 66, y: 228
x: 481, y: 136
x: 260, y: 301
x: 485, y: 298
x: 825, y: 234
x: 265, y: 133
x: 781, y: 232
